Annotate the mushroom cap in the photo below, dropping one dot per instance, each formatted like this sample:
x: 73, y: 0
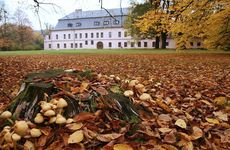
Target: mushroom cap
x: 15, y: 137
x: 21, y: 127
x: 61, y: 103
x: 6, y: 115
x: 145, y: 96
x: 39, y: 118
x: 128, y: 93
x: 35, y: 132
x: 60, y: 119
x: 49, y: 113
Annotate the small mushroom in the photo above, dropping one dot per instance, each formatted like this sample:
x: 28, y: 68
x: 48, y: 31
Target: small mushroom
x: 35, y: 132
x: 16, y: 137
x: 6, y: 115
x: 69, y: 120
x: 145, y: 96
x: 39, y: 118
x: 54, y: 101
x: 61, y: 103
x: 52, y: 120
x: 45, y: 106
x: 60, y: 119
x: 21, y: 127
x: 49, y: 113
x: 132, y: 83
x: 128, y: 93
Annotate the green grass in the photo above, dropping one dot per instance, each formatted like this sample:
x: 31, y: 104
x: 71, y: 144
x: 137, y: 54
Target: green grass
x: 107, y: 51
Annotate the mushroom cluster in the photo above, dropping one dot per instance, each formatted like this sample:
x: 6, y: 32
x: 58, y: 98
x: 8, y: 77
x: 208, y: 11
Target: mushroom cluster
x: 135, y: 87
x: 19, y: 129
x: 51, y: 112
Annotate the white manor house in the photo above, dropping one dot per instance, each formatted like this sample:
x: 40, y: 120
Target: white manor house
x: 96, y: 29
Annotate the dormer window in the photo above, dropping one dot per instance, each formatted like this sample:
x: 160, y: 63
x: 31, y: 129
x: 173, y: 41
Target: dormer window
x: 69, y: 25
x: 78, y: 24
x: 96, y: 23
x: 116, y: 22
x: 106, y: 23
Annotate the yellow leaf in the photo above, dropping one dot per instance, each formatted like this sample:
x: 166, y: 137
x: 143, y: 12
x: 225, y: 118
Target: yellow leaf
x: 197, y: 133
x: 181, y: 123
x: 220, y: 115
x: 83, y: 87
x: 165, y: 130
x: 220, y: 100
x: 74, y: 126
x: 122, y: 147
x: 212, y: 121
x: 164, y: 106
x: 76, y: 137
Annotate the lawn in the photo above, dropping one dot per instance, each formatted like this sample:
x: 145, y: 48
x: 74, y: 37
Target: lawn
x: 107, y: 51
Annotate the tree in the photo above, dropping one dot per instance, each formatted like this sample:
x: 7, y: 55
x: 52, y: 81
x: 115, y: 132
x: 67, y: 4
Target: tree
x: 24, y: 31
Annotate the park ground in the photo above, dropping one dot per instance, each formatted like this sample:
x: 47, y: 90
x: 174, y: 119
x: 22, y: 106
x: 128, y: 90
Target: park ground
x: 186, y: 73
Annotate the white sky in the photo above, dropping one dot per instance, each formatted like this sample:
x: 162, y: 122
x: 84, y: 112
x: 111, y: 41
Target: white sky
x: 50, y: 14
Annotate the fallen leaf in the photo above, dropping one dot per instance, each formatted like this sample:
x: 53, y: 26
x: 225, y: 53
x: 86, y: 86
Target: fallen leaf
x: 76, y: 137
x: 102, y: 91
x: 83, y: 86
x: 164, y: 120
x: 169, y: 147
x: 108, y: 137
x: 220, y: 100
x: 84, y: 116
x: 212, y: 121
x: 170, y: 137
x: 184, y: 136
x: 207, y: 102
x: 165, y: 130
x: 197, y: 133
x: 164, y: 106
x: 220, y: 115
x: 29, y: 145
x: 74, y: 126
x: 181, y: 123
x: 42, y: 140
x: 122, y: 147
x: 57, y: 145
x: 188, y: 146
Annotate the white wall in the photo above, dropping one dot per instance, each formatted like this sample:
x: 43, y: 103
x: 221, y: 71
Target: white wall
x: 114, y: 39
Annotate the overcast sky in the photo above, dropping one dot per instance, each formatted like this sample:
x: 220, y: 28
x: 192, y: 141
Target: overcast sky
x: 50, y: 14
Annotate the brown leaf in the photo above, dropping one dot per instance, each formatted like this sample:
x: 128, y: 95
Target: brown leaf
x: 170, y: 137
x: 84, y: 116
x: 164, y: 120
x: 197, y: 133
x: 169, y: 147
x: 164, y: 106
x: 74, y: 126
x: 108, y: 137
x: 102, y: 91
x: 42, y: 140
x: 57, y: 145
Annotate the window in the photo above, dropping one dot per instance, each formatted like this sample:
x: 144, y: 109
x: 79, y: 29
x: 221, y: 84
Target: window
x: 110, y: 44
x: 116, y: 22
x: 75, y: 35
x: 110, y: 34
x: 119, y: 44
x: 86, y: 35
x: 80, y: 45
x: 125, y: 44
x: 76, y: 45
x: 64, y: 45
x: 58, y: 45
x: 119, y: 34
x: 96, y: 23
x: 92, y: 42
x: 191, y: 43
x: 106, y: 23
x: 153, y: 44
x: 78, y: 24
x: 86, y: 42
x: 64, y: 36
x: 145, y: 44
x: 69, y: 25
x: 69, y: 36
x: 126, y: 34
x: 91, y: 35
x: 97, y: 35
x: 132, y: 44
x: 80, y: 35
x: 49, y: 37
x: 139, y: 44
x: 49, y: 45
x: 102, y: 34
x: 71, y: 45
x: 56, y: 36
x: 167, y: 43
x: 198, y: 44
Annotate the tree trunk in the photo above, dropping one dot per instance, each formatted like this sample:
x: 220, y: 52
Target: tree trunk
x: 163, y: 38
x: 157, y: 46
